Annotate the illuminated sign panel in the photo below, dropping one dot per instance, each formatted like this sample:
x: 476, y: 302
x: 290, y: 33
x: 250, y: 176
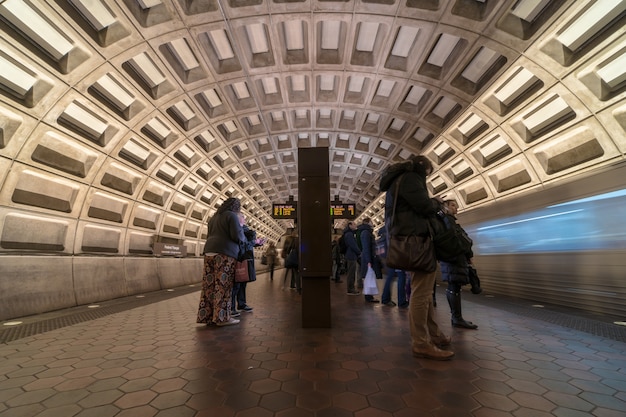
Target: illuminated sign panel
x: 342, y: 211
x: 290, y: 211
x: 285, y: 211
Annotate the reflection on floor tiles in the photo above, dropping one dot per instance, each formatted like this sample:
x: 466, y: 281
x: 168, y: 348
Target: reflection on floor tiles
x: 154, y: 360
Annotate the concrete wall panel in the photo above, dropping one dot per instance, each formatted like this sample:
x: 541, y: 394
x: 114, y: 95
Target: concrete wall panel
x: 98, y: 279
x: 35, y: 284
x: 192, y: 270
x: 141, y: 275
x: 170, y: 272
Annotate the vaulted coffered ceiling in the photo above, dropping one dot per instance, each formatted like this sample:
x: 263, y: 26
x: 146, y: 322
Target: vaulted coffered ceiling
x: 136, y: 118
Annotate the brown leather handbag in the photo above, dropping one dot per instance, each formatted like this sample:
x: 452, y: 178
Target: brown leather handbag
x: 411, y: 252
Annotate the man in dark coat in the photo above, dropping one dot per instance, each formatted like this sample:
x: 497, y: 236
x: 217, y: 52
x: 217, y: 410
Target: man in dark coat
x: 456, y: 272
x: 352, y: 254
x: 412, y: 212
x: 365, y: 232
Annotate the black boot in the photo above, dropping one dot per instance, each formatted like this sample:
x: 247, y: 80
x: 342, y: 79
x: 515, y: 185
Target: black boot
x: 454, y: 299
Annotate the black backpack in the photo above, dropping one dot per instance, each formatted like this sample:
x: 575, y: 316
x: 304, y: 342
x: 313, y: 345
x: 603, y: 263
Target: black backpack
x: 343, y: 248
x: 358, y: 239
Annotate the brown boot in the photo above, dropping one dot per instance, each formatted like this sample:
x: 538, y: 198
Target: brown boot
x: 441, y: 340
x: 433, y: 352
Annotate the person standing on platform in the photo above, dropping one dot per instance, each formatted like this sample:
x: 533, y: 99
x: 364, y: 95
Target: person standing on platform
x: 365, y: 234
x: 221, y: 250
x: 336, y: 255
x: 412, y: 212
x: 456, y: 273
x: 270, y: 256
x: 352, y: 254
x: 291, y: 254
x: 246, y: 253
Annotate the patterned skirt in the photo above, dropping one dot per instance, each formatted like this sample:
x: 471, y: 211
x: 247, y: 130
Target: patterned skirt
x: 217, y: 284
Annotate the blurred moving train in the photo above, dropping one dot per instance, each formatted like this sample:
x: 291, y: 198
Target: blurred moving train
x: 562, y: 245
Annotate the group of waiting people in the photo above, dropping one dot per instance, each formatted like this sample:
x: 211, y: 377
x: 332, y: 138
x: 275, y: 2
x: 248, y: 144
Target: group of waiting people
x: 414, y: 212
x: 229, y: 240
x: 414, y: 209
x: 361, y: 257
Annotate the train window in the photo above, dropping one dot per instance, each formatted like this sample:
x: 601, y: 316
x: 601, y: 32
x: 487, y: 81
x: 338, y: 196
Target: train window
x: 594, y: 223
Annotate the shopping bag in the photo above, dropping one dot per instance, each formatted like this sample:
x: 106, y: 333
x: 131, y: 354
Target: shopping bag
x: 369, y: 284
x: 241, y: 271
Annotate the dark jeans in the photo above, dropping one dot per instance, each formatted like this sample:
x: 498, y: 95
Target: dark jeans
x: 295, y: 279
x: 351, y: 274
x: 386, y: 297
x: 239, y: 295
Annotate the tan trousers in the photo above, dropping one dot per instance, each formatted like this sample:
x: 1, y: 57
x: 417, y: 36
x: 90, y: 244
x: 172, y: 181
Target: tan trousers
x: 421, y: 310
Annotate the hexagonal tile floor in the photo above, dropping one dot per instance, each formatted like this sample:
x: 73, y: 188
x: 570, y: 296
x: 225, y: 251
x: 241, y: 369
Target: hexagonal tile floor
x: 152, y: 359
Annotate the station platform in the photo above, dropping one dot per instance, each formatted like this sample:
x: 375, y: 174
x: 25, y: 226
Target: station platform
x: 147, y: 357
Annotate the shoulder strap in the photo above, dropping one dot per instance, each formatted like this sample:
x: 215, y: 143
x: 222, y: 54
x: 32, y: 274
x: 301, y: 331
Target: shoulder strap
x: 395, y: 199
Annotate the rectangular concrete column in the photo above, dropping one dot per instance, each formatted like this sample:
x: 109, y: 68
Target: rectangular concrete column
x: 315, y: 235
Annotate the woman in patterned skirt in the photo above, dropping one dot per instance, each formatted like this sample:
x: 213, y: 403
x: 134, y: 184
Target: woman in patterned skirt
x: 221, y: 251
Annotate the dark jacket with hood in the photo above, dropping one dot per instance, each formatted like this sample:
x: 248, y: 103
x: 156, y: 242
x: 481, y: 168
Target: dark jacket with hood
x: 353, y: 252
x: 414, y: 206
x: 457, y: 271
x: 365, y: 232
